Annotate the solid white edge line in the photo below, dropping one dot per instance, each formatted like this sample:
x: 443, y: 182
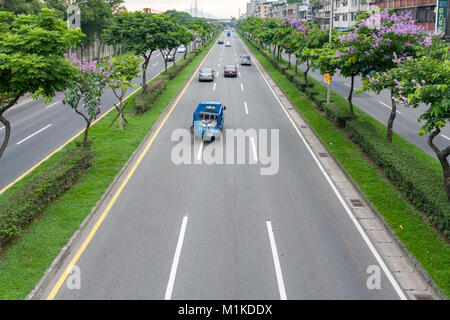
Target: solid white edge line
x: 200, y: 150
x: 388, y: 106
x: 246, y: 109
x: 388, y: 273
x: 255, y: 154
x: 32, y: 135
x: 176, y: 258
x: 276, y: 261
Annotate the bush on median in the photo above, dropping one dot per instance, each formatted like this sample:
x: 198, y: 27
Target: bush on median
x: 25, y: 204
x: 418, y: 182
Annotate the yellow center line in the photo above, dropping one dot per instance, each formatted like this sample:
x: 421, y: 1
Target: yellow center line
x: 80, y: 251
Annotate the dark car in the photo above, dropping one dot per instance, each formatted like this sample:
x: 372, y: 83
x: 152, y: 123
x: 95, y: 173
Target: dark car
x: 170, y: 57
x: 230, y: 71
x: 206, y: 74
x: 220, y: 41
x: 245, y: 60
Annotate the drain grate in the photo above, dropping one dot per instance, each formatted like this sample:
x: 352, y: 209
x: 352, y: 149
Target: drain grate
x: 356, y: 203
x: 422, y: 296
x: 323, y: 154
x: 290, y: 108
x: 304, y: 127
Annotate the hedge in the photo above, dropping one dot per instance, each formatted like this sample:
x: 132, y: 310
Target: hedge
x: 25, y: 204
x: 144, y: 101
x: 336, y: 114
x: 418, y: 182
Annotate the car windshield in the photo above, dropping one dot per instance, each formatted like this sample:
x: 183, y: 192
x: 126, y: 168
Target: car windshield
x: 230, y: 68
x: 206, y: 71
x: 246, y: 57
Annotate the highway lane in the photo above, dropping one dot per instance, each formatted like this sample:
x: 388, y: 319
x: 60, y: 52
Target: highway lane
x: 37, y: 129
x: 224, y: 231
x: 379, y: 106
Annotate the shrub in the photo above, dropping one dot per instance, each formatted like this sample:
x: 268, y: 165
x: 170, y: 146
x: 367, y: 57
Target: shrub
x: 143, y: 102
x: 339, y: 116
x: 23, y: 205
x: 420, y: 183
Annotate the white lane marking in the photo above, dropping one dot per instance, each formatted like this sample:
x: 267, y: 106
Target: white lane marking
x: 443, y: 136
x: 48, y: 126
x: 214, y: 88
x: 219, y: 65
x: 155, y: 64
x: 217, y: 73
x: 200, y: 151
x: 366, y: 239
x: 239, y: 73
x: 246, y: 109
x: 388, y: 106
x: 176, y: 258
x: 347, y: 85
x: 255, y: 154
x: 276, y: 261
x: 242, y: 87
x: 53, y: 104
x: 2, y: 128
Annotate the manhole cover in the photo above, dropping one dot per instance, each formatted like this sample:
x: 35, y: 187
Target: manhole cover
x: 422, y: 296
x: 357, y: 202
x: 323, y: 154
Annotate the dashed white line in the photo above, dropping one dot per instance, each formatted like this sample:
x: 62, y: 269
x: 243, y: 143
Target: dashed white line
x: 239, y: 73
x: 347, y: 85
x: 388, y: 106
x: 444, y: 136
x: 155, y: 64
x: 219, y: 65
x: 53, y: 104
x: 217, y: 73
x: 242, y: 87
x: 246, y: 109
x: 34, y: 134
x: 276, y: 262
x: 214, y: 87
x: 176, y: 258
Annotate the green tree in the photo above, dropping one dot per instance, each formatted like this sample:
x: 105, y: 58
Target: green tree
x: 22, y: 6
x: 138, y: 32
x: 32, y: 59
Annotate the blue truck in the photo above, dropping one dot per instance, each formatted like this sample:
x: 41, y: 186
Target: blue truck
x: 228, y: 33
x: 207, y: 122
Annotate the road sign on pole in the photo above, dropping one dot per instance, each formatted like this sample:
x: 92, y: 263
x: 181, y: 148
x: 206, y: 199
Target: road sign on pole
x: 441, y: 15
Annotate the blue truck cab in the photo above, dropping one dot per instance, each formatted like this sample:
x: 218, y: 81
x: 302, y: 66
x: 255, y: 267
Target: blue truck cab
x: 228, y: 33
x: 207, y: 122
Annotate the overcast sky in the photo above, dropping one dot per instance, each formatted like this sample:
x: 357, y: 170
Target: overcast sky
x: 218, y: 8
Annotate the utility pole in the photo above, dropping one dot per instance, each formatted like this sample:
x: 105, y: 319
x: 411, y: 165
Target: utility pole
x: 329, y: 39
x: 196, y: 8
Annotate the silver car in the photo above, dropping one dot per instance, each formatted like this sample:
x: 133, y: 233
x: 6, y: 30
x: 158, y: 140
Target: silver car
x: 228, y: 44
x: 206, y: 74
x: 245, y: 60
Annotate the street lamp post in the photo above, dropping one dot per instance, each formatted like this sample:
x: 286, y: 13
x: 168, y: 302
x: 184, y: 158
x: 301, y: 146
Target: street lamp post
x: 329, y: 39
x: 74, y: 17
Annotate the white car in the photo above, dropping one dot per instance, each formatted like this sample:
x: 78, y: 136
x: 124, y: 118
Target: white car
x: 181, y: 49
x: 228, y: 44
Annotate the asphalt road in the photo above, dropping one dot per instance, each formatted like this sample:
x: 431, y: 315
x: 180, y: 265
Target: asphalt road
x: 379, y: 106
x: 37, y: 129
x: 225, y: 231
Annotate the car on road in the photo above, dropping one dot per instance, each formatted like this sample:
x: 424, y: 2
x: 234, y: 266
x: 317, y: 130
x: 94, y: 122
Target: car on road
x: 208, y: 119
x: 181, y: 49
x: 228, y: 44
x: 220, y: 41
x: 230, y: 71
x: 206, y: 74
x: 170, y: 57
x: 245, y: 60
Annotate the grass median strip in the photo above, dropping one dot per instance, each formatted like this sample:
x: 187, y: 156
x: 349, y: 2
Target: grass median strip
x: 421, y: 240
x: 24, y: 261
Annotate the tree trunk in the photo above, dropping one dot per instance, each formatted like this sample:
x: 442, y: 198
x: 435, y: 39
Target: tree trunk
x: 296, y: 65
x: 144, y: 73
x: 86, y: 131
x: 442, y: 156
x: 289, y: 61
x: 391, y: 119
x: 305, y: 73
x: 350, y: 97
x: 7, y: 125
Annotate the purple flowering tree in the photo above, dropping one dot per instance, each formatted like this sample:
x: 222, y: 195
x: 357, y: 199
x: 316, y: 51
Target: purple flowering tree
x: 394, y: 39
x: 83, y: 96
x: 121, y: 70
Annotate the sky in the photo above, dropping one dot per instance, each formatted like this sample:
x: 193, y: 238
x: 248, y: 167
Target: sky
x: 218, y: 8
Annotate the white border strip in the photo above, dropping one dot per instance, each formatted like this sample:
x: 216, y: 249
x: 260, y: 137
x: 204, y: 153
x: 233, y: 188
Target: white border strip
x: 339, y: 196
x: 30, y: 136
x: 176, y: 258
